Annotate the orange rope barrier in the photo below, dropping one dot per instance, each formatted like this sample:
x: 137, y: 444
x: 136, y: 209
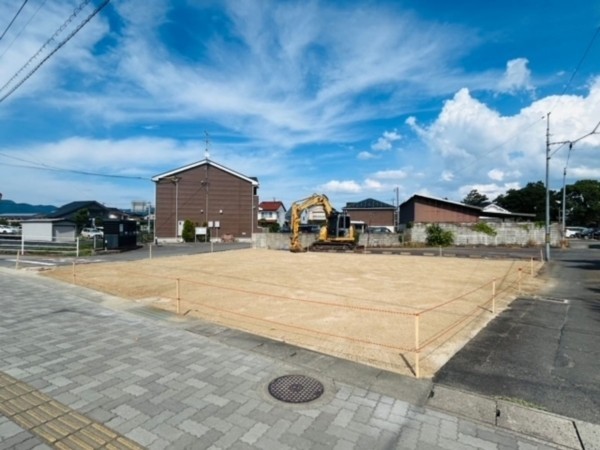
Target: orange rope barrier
x: 309, y: 330
x: 454, y: 299
x: 283, y: 297
x: 506, y: 284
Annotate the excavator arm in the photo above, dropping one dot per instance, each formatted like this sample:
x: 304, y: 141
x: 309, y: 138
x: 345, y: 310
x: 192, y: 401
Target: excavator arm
x: 296, y: 213
x: 337, y: 234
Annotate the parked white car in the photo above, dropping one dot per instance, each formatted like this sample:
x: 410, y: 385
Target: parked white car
x: 6, y: 229
x: 574, y: 232
x: 91, y: 232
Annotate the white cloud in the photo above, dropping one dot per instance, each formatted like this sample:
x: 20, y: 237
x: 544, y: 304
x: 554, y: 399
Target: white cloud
x: 390, y: 175
x: 374, y: 185
x: 491, y: 191
x: 471, y: 141
x: 384, y: 143
x: 496, y: 174
x: 298, y: 75
x: 336, y: 186
x: 365, y: 155
x: 447, y: 175
x: 517, y: 77
x: 588, y: 173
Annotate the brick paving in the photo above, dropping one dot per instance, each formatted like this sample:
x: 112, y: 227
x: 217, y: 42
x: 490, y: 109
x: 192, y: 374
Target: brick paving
x: 156, y: 385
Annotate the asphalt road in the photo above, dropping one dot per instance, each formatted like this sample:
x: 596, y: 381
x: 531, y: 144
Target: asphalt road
x: 543, y: 351
x: 157, y: 251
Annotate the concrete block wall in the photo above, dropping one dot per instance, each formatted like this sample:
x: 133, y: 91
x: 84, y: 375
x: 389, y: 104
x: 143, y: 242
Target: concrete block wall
x: 521, y: 234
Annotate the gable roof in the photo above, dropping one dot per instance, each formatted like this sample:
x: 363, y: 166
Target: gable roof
x: 73, y: 207
x: 492, y: 207
x: 252, y: 180
x: 271, y: 206
x: 368, y: 203
x: 442, y: 200
x: 489, y: 211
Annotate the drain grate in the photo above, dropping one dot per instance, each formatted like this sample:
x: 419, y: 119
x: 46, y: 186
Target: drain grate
x: 296, y: 388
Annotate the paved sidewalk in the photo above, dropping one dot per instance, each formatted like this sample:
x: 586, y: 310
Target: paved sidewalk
x: 150, y: 379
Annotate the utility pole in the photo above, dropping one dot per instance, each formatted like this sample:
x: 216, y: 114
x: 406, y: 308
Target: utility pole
x: 397, y: 211
x: 547, y: 222
x: 548, y: 144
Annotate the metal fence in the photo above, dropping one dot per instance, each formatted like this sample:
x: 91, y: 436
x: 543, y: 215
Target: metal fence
x: 16, y: 244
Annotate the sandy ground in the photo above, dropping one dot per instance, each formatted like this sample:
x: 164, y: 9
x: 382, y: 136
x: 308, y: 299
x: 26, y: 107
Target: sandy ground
x: 361, y: 307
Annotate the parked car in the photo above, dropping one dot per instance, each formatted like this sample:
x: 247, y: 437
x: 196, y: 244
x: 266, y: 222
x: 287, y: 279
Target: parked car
x: 574, y: 232
x: 91, y: 232
x: 588, y: 233
x: 378, y: 230
x: 7, y: 229
x: 309, y: 228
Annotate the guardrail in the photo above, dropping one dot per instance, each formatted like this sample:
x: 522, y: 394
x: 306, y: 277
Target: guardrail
x: 12, y: 244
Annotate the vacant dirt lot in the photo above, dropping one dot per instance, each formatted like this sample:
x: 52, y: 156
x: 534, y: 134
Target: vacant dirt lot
x: 362, y: 307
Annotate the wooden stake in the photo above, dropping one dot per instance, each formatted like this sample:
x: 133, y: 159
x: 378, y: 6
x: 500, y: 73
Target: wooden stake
x: 520, y: 275
x: 494, y: 296
x: 417, y: 346
x: 178, y: 297
x: 74, y: 281
x: 531, y: 266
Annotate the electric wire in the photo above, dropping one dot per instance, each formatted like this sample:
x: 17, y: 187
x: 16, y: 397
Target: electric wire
x: 585, y: 54
x: 13, y: 19
x: 23, y: 29
x: 575, y: 71
x: 29, y: 164
x: 77, y: 172
x: 58, y: 46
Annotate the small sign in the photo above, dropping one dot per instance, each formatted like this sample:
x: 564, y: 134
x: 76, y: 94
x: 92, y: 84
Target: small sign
x: 200, y: 231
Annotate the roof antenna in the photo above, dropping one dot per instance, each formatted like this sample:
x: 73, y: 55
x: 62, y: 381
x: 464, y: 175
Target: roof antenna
x: 206, y: 154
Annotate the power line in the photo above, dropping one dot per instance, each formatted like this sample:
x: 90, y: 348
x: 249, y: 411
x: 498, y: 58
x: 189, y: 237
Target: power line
x: 76, y: 172
x: 585, y: 53
x: 23, y: 29
x: 41, y: 166
x: 579, y: 64
x: 13, y: 19
x: 58, y: 47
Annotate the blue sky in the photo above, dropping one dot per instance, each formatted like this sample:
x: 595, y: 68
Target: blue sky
x: 350, y: 99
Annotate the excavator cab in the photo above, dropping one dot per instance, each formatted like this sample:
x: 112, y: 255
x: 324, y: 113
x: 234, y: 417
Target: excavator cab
x: 338, y: 225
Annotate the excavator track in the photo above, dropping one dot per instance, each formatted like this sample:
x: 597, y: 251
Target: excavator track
x: 334, y: 247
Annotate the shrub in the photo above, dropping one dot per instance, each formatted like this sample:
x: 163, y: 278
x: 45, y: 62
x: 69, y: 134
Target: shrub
x: 437, y: 236
x: 483, y: 227
x: 188, y: 234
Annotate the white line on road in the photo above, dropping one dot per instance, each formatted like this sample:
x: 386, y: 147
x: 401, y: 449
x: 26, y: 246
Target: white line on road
x: 23, y: 261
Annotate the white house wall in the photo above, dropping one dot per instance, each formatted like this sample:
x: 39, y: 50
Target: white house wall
x: 37, y: 231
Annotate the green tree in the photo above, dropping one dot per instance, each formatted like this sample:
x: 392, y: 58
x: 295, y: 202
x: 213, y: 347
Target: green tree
x: 583, y: 203
x: 531, y: 200
x: 82, y: 218
x: 437, y: 236
x: 188, y: 234
x: 474, y: 198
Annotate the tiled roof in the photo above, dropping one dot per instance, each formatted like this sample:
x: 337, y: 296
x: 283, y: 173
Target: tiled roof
x: 251, y: 180
x: 73, y: 207
x: 271, y: 206
x: 369, y: 203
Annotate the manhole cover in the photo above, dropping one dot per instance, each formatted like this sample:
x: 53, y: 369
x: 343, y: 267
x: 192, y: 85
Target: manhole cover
x: 295, y: 388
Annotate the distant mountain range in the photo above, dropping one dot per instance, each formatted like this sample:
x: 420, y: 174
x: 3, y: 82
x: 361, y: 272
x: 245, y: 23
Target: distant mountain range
x: 10, y: 207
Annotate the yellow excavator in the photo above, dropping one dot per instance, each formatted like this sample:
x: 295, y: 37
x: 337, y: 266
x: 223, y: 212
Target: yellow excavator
x: 336, y: 234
